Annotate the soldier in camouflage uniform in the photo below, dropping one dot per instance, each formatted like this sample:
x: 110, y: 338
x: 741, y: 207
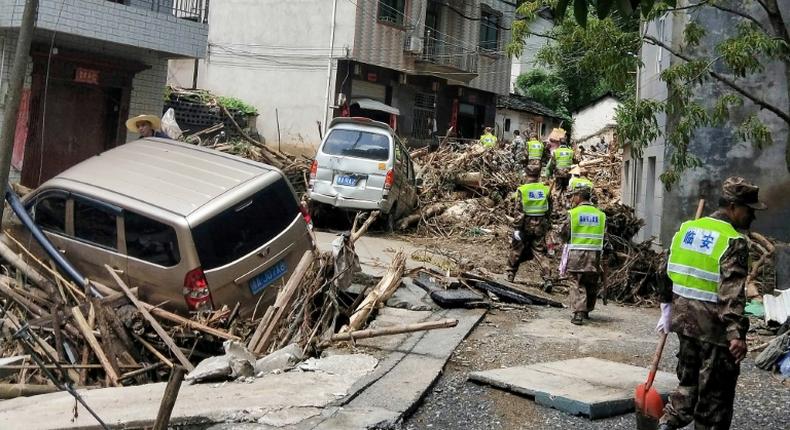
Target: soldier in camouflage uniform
x: 533, y: 204
x: 584, y: 230
x: 707, y: 268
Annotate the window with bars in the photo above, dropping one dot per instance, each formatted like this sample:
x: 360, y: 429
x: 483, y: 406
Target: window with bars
x: 489, y: 30
x: 392, y: 11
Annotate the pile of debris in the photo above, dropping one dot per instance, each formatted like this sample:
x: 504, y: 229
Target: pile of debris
x: 228, y: 125
x: 58, y: 333
x: 469, y: 191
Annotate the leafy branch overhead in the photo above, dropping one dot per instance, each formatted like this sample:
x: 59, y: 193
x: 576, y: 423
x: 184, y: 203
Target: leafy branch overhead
x: 755, y: 41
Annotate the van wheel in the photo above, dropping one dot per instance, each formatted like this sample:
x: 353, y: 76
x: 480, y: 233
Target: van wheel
x: 390, y: 221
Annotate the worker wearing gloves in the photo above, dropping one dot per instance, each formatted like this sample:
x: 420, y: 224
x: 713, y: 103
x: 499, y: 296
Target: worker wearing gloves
x: 488, y: 140
x: 533, y: 203
x: 707, y: 268
x: 584, y: 230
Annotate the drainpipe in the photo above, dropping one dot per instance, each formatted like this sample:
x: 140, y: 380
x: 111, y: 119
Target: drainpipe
x: 329, y: 64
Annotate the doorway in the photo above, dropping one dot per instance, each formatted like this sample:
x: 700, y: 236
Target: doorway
x: 77, y: 122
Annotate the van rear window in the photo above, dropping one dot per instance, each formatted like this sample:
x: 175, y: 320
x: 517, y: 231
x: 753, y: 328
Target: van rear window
x: 246, y: 226
x: 353, y: 143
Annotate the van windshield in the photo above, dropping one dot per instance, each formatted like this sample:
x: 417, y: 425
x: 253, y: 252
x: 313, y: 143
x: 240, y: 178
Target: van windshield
x: 354, y: 143
x: 246, y: 226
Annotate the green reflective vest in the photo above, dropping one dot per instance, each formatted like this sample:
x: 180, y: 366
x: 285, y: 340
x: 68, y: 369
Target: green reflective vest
x: 534, y: 199
x: 577, y: 182
x: 563, y: 157
x: 488, y: 140
x: 535, y: 149
x: 588, y: 225
x: 694, y: 258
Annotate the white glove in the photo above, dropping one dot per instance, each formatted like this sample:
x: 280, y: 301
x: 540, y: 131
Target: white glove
x: 517, y: 235
x: 666, y: 315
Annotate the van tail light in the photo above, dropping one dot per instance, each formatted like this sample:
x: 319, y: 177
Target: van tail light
x: 196, y: 293
x: 306, y: 215
x: 389, y: 179
x: 314, y: 169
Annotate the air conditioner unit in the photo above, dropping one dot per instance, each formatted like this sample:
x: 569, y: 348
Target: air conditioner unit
x: 412, y: 44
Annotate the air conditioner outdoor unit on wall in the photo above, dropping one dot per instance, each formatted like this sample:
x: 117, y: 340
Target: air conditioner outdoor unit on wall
x: 412, y: 44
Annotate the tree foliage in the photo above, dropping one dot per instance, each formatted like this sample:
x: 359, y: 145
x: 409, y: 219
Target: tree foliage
x: 546, y: 88
x: 720, y: 63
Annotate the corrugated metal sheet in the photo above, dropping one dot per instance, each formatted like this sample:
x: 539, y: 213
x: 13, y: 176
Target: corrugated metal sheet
x: 777, y: 308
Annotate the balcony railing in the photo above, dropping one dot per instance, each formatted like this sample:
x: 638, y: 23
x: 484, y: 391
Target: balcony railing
x: 191, y: 10
x: 441, y: 52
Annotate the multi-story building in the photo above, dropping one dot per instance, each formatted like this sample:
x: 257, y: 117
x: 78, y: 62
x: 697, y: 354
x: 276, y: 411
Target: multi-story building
x: 721, y: 152
x: 93, y: 64
x: 429, y: 64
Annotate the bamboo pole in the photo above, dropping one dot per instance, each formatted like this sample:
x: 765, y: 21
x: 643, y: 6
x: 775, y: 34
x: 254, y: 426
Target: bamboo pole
x: 169, y: 398
x: 87, y: 333
x: 392, y: 330
x: 151, y: 320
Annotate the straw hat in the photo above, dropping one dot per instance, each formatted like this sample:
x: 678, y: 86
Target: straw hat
x: 131, y: 123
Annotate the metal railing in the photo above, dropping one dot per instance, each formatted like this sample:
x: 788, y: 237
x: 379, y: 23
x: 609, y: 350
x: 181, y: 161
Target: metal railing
x: 191, y: 10
x: 436, y: 50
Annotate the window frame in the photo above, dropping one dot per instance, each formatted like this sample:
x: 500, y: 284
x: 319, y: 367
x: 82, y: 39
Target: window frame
x: 33, y: 202
x: 400, y: 15
x: 120, y: 237
x: 160, y: 221
x: 489, y: 19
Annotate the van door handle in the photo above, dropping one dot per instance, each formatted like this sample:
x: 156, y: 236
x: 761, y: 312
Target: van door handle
x: 61, y: 250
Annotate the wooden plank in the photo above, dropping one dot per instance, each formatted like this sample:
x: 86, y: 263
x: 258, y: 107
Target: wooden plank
x: 284, y: 301
x: 151, y: 320
x: 87, y: 333
x: 262, y: 324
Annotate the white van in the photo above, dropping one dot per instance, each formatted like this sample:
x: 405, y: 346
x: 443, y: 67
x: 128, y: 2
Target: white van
x: 362, y: 165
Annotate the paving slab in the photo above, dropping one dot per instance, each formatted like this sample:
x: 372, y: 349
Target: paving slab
x: 409, y: 370
x: 586, y: 386
x: 275, y: 400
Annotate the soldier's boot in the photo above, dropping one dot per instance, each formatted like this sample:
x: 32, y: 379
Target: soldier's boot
x: 666, y: 426
x: 511, y: 275
x: 547, y: 286
x: 578, y: 318
x: 586, y: 315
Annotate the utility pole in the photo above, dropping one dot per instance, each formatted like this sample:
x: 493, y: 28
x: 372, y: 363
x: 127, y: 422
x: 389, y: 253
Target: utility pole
x: 8, y: 130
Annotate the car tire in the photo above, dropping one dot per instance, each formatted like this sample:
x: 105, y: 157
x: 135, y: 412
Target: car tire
x: 391, y: 219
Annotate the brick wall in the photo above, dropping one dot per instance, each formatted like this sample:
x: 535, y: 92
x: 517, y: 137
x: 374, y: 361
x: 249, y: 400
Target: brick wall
x: 126, y: 25
x: 147, y: 91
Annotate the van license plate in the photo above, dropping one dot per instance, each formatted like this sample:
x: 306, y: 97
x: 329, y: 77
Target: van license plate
x: 258, y: 283
x: 350, y: 181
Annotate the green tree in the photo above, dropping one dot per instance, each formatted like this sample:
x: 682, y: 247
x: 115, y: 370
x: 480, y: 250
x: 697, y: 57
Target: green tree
x: 546, y: 88
x: 761, y: 39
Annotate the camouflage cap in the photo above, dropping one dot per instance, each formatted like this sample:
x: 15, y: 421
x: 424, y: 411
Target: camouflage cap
x: 736, y: 189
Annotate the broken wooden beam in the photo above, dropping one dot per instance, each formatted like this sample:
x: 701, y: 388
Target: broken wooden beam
x: 381, y: 293
x: 355, y: 235
x: 392, y: 330
x: 151, y: 320
x: 283, y: 303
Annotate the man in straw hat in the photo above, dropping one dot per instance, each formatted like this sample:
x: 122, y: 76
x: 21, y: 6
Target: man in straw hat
x: 707, y: 269
x: 146, y: 125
